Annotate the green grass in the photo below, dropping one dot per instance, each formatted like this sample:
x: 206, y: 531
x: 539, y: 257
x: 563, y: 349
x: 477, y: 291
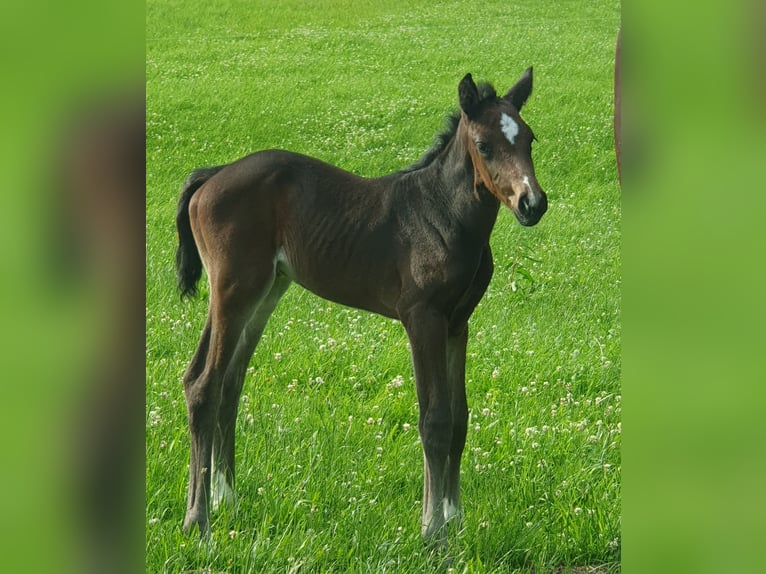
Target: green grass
x: 329, y: 462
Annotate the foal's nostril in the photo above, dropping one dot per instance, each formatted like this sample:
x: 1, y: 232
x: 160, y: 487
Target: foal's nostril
x: 526, y: 203
x: 532, y: 206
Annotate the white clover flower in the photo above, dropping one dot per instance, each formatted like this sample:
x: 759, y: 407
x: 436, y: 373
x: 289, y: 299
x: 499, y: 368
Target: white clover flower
x: 154, y: 417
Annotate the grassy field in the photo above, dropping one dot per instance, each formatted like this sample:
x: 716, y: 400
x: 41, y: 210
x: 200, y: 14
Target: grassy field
x: 329, y: 461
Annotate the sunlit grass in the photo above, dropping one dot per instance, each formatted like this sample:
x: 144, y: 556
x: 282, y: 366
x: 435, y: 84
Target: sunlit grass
x: 329, y: 461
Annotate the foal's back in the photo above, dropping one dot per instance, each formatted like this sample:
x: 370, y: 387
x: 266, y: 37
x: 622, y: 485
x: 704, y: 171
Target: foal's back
x: 335, y: 233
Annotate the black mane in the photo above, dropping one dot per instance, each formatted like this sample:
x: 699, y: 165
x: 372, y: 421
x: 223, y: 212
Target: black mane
x: 442, y: 139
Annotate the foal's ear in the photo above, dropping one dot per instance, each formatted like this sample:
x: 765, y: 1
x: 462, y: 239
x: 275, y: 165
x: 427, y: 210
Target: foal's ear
x: 520, y: 91
x: 469, y: 95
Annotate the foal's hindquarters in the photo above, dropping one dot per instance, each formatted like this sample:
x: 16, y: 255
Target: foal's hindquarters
x: 245, y: 287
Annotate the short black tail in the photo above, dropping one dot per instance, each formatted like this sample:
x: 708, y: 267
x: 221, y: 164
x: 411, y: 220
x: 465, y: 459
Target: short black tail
x: 188, y: 262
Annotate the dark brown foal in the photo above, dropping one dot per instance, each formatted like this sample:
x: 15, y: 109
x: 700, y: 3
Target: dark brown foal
x: 413, y: 245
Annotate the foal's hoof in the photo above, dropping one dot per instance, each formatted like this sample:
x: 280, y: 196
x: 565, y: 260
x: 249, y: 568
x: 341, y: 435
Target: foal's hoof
x: 194, y: 519
x: 435, y: 535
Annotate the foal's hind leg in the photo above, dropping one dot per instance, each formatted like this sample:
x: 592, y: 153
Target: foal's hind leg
x: 223, y: 444
x: 192, y: 374
x: 202, y: 388
x: 230, y: 311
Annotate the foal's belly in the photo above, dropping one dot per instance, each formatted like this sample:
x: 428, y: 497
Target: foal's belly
x: 370, y: 283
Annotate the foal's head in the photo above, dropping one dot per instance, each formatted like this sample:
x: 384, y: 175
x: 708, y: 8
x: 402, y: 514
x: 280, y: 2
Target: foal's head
x: 500, y: 145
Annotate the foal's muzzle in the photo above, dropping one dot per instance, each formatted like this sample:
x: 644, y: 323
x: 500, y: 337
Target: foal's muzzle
x: 531, y: 206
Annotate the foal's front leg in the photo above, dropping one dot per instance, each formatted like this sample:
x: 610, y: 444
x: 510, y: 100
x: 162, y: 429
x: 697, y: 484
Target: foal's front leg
x: 427, y: 331
x: 456, y: 351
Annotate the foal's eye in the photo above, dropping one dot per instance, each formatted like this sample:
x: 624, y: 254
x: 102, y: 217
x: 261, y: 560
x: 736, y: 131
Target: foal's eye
x: 484, y: 148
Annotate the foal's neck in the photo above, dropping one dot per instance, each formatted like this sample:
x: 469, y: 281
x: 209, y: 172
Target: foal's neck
x: 474, y: 206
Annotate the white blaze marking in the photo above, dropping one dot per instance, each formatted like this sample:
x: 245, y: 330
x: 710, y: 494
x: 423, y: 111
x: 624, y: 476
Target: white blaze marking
x: 510, y: 127
x: 526, y: 182
x: 222, y: 493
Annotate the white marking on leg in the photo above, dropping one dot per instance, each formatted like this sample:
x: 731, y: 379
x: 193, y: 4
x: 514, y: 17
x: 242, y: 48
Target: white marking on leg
x: 221, y: 494
x: 510, y: 127
x: 450, y: 510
